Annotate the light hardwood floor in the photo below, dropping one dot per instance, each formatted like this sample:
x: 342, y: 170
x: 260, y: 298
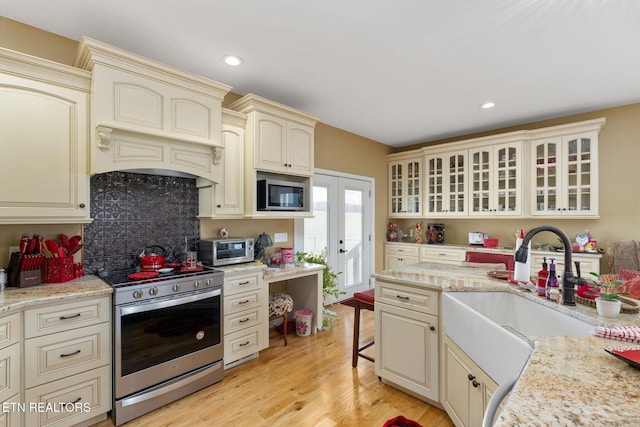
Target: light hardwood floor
x: 308, y: 383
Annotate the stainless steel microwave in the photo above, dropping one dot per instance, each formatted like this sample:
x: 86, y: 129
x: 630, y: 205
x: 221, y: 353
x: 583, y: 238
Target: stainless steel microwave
x: 277, y: 195
x: 217, y: 252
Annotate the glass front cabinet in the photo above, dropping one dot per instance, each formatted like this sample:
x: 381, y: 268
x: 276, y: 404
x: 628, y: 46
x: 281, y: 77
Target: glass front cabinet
x: 405, y: 187
x: 446, y: 188
x: 496, y: 180
x: 565, y: 175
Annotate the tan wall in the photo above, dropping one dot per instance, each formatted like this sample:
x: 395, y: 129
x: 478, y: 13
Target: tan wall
x: 34, y: 41
x: 619, y: 154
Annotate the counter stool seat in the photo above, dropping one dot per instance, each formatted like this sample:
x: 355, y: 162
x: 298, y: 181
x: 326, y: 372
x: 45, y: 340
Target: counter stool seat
x: 279, y: 305
x: 362, y: 301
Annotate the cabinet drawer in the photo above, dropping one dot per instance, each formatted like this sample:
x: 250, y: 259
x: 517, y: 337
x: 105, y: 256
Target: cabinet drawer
x: 442, y: 255
x: 586, y: 264
x: 67, y: 353
x: 243, y: 301
x: 400, y: 249
x: 76, y: 398
x: 422, y: 300
x: 63, y: 317
x: 235, y: 285
x: 11, y: 418
x: 244, y: 319
x: 9, y: 371
x: 241, y: 344
x: 9, y: 330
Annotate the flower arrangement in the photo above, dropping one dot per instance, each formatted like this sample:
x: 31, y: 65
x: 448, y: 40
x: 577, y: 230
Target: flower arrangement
x: 605, y: 287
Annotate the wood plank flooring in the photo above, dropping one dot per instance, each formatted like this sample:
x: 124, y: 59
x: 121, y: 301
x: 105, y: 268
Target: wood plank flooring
x: 308, y: 383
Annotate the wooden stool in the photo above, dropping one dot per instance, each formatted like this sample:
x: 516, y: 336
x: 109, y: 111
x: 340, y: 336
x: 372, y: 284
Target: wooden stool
x: 279, y: 306
x: 362, y: 300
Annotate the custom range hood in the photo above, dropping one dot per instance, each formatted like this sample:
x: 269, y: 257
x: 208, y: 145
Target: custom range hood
x: 149, y: 117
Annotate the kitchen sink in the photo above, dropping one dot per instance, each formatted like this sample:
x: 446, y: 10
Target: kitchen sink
x: 497, y: 329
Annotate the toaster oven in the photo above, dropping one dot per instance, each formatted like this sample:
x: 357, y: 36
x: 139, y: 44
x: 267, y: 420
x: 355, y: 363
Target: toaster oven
x: 218, y: 252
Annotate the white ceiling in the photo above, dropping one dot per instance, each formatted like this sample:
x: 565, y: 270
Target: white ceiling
x: 397, y: 71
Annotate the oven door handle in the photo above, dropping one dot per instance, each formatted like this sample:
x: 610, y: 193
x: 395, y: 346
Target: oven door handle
x: 141, y: 308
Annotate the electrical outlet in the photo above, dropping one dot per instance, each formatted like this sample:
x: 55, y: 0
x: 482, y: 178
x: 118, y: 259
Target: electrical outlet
x: 281, y: 237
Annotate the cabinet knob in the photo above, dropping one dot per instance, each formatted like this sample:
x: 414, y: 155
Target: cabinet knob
x: 218, y: 206
x: 471, y: 377
x: 432, y: 328
x: 475, y: 383
x: 82, y: 205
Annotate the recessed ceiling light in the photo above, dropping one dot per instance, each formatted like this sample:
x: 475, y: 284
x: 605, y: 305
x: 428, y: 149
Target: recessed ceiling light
x: 232, y: 60
x: 488, y: 105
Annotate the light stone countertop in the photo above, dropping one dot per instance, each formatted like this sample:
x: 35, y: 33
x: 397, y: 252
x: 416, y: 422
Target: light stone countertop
x: 284, y: 273
x: 15, y: 299
x: 568, y: 381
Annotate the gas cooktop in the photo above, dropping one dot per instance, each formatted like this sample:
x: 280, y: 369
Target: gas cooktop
x: 133, y: 276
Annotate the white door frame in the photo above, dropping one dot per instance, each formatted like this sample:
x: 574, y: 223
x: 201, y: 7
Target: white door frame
x: 298, y: 224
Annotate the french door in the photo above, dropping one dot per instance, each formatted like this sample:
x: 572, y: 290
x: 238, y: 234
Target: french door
x: 342, y: 224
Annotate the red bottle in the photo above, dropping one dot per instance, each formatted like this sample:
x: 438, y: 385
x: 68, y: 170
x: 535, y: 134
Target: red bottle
x: 542, y: 278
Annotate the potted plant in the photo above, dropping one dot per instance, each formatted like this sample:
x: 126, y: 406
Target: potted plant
x: 608, y: 295
x: 330, y: 291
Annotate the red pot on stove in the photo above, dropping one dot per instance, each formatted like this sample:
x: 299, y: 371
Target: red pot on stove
x: 152, y: 258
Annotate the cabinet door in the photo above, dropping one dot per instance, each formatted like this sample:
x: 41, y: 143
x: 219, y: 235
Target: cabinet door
x: 455, y: 385
x: 407, y: 349
x: 43, y: 129
x: 496, y: 187
x: 565, y: 176
x: 405, y: 188
x: 447, y: 184
x: 299, y: 149
x: 270, y: 143
x: 229, y: 194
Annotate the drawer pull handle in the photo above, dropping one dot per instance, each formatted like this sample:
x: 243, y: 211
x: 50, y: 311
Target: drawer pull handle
x: 401, y: 297
x: 70, y: 354
x: 244, y: 283
x: 244, y: 320
x: 245, y: 343
x: 70, y: 316
x: 244, y: 301
x: 74, y: 402
x: 442, y: 254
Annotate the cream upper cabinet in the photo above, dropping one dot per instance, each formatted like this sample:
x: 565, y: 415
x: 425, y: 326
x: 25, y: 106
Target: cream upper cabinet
x: 147, y: 115
x: 564, y: 175
x: 280, y: 138
x: 446, y: 188
x: 226, y: 199
x: 495, y: 174
x: 44, y: 114
x: 406, y: 185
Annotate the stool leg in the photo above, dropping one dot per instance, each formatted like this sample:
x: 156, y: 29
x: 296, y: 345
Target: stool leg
x: 285, y: 327
x: 356, y: 335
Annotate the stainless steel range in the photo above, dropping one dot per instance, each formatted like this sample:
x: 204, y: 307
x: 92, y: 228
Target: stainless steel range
x: 167, y: 338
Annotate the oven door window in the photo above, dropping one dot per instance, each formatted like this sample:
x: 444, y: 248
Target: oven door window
x: 163, y: 333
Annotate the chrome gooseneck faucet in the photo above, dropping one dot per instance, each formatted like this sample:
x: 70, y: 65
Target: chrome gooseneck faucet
x: 569, y: 281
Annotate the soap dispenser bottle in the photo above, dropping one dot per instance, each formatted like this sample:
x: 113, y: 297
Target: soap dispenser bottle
x: 543, y: 275
x: 553, y: 287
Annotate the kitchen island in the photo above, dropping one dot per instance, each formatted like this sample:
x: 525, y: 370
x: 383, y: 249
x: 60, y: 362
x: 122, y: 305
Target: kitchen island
x: 567, y: 380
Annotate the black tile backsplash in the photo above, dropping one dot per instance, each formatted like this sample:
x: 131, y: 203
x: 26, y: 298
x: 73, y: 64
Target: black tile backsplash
x: 131, y: 211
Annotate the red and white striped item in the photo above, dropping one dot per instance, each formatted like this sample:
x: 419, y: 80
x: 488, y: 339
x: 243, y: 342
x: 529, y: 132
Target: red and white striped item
x: 622, y: 333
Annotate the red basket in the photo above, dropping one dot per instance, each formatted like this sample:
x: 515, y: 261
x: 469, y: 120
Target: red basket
x: 58, y: 270
x: 490, y: 243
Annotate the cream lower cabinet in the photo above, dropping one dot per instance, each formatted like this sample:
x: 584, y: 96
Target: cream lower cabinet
x: 10, y: 370
x: 67, y: 364
x: 406, y: 337
x: 246, y: 323
x: 44, y: 114
x: 400, y: 254
x: 466, y: 389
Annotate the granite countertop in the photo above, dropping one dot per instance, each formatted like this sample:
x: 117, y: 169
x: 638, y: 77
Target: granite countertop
x: 14, y: 299
x: 567, y: 380
x: 481, y: 248
x: 298, y: 269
